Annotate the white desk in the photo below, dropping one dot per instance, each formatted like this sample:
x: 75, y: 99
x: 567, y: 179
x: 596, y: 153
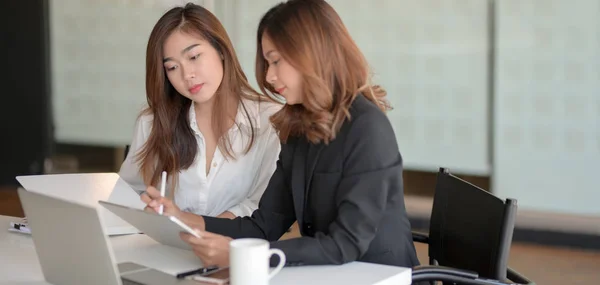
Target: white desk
x: 19, y: 263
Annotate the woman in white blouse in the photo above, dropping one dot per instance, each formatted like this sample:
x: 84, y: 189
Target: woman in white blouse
x: 204, y: 124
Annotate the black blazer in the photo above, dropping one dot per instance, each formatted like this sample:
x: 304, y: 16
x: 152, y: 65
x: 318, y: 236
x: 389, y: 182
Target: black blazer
x: 347, y: 197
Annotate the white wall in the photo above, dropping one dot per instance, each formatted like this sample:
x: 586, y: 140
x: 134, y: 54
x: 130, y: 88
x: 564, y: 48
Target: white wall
x: 547, y: 116
x: 98, y: 51
x: 431, y: 58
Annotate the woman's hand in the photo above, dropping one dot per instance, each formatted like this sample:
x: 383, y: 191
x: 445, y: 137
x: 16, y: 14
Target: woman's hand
x: 153, y: 200
x: 227, y: 215
x: 212, y: 249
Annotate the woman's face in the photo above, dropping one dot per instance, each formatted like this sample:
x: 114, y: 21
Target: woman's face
x: 282, y: 76
x: 193, y: 66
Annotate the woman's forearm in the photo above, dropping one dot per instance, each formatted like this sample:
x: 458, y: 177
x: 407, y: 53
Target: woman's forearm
x: 192, y: 220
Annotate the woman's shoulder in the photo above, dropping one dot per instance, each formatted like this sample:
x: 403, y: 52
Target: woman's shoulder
x: 365, y: 109
x: 267, y: 108
x: 146, y: 117
x: 144, y: 120
x: 370, y: 133
x: 368, y: 121
x: 263, y: 109
x: 143, y: 124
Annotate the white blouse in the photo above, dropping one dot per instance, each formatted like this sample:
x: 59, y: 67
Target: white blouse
x: 231, y: 185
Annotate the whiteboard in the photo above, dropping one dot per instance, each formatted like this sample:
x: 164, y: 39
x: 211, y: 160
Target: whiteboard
x: 431, y: 57
x: 98, y: 51
x: 547, y: 118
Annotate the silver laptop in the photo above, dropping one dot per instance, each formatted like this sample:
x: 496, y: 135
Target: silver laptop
x: 74, y: 249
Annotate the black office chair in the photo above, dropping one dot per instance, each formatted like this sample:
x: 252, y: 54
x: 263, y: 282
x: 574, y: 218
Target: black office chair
x: 470, y: 234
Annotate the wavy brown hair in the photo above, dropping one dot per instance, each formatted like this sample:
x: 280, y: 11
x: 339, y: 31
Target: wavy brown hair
x: 171, y: 145
x: 310, y: 35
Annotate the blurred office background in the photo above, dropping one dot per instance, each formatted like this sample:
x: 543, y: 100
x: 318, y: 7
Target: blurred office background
x: 504, y: 93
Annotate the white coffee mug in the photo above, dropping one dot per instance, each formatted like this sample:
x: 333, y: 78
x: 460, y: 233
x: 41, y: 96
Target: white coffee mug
x: 249, y: 261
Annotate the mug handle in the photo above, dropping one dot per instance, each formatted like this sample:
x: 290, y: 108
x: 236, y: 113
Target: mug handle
x: 281, y: 261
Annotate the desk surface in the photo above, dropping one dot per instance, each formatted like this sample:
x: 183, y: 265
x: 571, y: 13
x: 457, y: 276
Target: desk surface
x: 19, y: 263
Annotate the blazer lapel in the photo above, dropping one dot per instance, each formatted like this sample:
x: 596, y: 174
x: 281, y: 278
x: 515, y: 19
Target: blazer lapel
x: 313, y: 157
x: 298, y: 177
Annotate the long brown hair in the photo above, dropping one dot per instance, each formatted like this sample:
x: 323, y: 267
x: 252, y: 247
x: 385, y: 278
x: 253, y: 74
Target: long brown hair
x: 171, y: 145
x: 310, y: 35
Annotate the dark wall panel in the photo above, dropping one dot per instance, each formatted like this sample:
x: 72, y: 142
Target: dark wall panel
x: 25, y: 110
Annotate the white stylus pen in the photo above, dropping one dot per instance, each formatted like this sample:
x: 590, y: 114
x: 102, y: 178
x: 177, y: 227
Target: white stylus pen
x: 163, y: 185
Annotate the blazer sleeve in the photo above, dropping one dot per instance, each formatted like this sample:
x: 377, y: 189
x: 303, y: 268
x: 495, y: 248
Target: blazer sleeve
x: 274, y: 216
x: 372, y: 168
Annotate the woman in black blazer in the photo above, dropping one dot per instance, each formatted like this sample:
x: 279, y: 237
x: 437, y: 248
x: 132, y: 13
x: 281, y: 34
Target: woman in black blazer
x: 339, y: 172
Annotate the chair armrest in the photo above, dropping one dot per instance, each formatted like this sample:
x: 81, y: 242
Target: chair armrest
x: 420, y: 237
x: 420, y: 274
x: 451, y: 275
x: 459, y: 276
x: 455, y: 280
x: 430, y: 269
x: 517, y: 277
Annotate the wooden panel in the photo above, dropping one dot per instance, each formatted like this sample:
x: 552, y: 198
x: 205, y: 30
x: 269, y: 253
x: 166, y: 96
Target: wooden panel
x: 293, y: 233
x: 420, y: 183
x: 10, y: 205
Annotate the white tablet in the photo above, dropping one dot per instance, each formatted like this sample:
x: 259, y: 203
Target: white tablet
x: 161, y: 228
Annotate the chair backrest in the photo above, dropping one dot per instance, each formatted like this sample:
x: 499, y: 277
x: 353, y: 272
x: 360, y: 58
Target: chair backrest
x: 470, y: 228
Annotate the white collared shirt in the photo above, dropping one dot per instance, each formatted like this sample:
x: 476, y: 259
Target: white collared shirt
x: 231, y: 185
